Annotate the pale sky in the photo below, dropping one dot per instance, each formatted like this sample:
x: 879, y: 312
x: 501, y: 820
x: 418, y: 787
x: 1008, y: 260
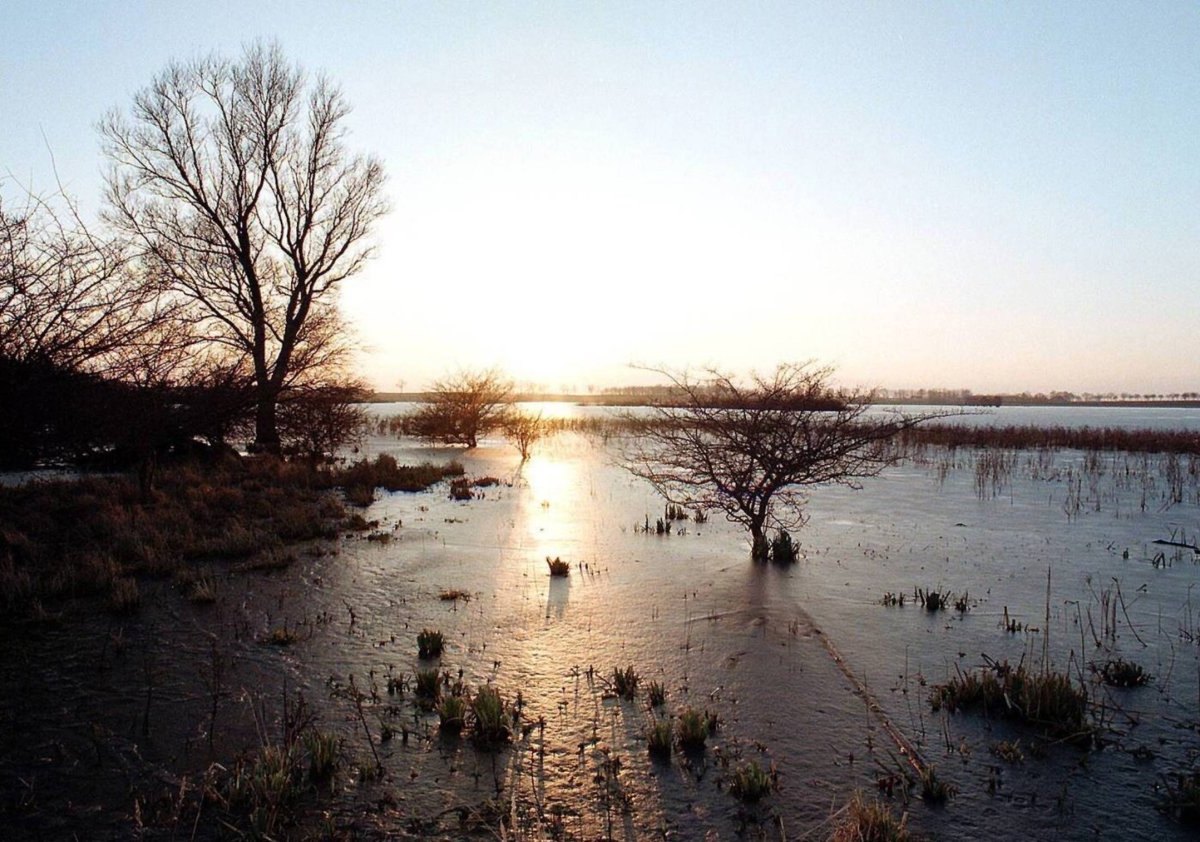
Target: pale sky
x: 996, y: 196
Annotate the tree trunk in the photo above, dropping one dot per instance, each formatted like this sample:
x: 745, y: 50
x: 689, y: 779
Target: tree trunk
x: 760, y: 549
x: 266, y: 428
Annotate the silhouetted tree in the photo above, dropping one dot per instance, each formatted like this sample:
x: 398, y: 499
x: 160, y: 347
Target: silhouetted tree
x: 464, y: 406
x: 524, y: 430
x: 751, y: 449
x: 234, y: 180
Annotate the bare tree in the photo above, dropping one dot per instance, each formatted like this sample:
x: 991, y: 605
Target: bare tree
x: 750, y: 449
x: 464, y: 406
x: 524, y: 429
x: 68, y: 297
x: 234, y: 179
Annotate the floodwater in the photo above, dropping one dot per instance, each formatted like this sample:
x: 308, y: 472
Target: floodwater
x: 149, y: 702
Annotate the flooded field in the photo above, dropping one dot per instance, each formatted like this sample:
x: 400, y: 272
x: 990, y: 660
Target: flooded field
x: 110, y: 724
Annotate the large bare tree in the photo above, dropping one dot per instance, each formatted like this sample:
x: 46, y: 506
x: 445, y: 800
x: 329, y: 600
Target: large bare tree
x: 751, y: 448
x: 234, y: 178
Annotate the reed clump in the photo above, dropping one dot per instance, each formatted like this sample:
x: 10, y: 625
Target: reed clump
x: 1048, y: 699
x: 869, y: 821
x: 751, y: 782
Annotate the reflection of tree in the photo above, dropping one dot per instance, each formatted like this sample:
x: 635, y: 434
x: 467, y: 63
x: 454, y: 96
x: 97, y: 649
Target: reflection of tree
x: 750, y: 449
x: 557, y: 596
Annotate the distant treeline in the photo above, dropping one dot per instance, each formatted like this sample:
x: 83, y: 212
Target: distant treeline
x: 646, y: 395
x: 1029, y: 437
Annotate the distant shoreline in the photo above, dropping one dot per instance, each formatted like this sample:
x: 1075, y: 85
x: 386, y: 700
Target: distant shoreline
x: 641, y: 400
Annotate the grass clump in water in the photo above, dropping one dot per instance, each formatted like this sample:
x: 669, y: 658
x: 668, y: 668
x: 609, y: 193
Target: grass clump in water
x: 695, y: 727
x: 625, y: 682
x: 430, y: 643
x: 659, y: 737
x: 784, y: 550
x: 490, y: 718
x: 1119, y: 672
x: 869, y: 821
x: 1044, y: 698
x: 933, y: 789
x: 656, y: 694
x: 1180, y: 797
x: 751, y: 782
x: 428, y: 686
x: 558, y: 567
x: 452, y: 714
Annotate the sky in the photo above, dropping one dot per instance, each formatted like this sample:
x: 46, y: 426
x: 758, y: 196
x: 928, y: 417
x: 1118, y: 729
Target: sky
x: 993, y: 196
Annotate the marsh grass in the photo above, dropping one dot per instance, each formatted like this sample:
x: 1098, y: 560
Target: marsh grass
x: 558, y: 567
x: 452, y: 714
x: 1180, y: 797
x: 656, y: 694
x: 65, y: 540
x: 428, y: 686
x: 660, y: 735
x: 868, y: 821
x: 1118, y: 672
x: 751, y: 783
x: 694, y: 728
x: 784, y: 550
x: 124, y: 596
x: 430, y: 643
x: 1047, y: 699
x: 490, y: 718
x: 934, y: 790
x: 624, y: 682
